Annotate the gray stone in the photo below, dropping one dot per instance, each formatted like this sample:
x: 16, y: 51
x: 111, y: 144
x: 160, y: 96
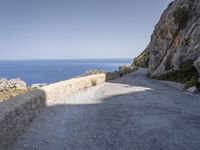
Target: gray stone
x: 8, y: 85
x: 1, y: 88
x: 2, y: 80
x: 18, y: 84
x: 192, y: 89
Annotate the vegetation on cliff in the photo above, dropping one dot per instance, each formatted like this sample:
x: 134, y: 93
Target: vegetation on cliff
x: 181, y: 16
x: 127, y: 69
x: 142, y: 60
x: 186, y: 74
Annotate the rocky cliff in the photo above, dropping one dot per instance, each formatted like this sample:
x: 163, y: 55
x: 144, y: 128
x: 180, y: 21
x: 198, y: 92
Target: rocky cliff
x: 175, y: 40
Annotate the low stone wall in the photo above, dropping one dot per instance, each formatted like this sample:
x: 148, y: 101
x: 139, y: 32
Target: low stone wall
x: 18, y: 112
x: 59, y: 89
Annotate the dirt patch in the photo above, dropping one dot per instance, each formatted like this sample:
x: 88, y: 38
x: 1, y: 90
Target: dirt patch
x: 8, y: 94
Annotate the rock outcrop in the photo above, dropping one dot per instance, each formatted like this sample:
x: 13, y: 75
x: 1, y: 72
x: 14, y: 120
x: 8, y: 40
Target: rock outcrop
x: 176, y: 39
x: 9, y: 85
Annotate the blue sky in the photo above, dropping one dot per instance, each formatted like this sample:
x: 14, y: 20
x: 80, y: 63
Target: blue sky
x: 57, y: 29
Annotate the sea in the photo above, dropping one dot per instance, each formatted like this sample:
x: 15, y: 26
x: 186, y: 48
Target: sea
x: 50, y: 71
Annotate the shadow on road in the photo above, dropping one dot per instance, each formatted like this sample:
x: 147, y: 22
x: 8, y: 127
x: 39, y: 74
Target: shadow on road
x: 146, y: 115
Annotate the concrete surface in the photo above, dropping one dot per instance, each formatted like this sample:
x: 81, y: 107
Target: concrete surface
x: 130, y: 113
x: 18, y: 112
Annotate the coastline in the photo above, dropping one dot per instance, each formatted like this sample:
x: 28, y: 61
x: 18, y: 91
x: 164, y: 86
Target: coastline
x: 53, y: 70
x: 9, y: 90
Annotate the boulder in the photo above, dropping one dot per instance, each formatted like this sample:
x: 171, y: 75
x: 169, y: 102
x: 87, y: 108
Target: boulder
x: 3, y: 84
x: 19, y: 84
x: 193, y: 89
x: 8, y: 85
x: 2, y: 80
x: 2, y: 88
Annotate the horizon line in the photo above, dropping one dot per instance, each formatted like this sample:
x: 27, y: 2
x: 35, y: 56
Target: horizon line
x: 62, y: 59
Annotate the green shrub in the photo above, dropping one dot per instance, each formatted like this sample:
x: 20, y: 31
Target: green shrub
x: 124, y: 69
x: 93, y: 82
x: 146, y: 60
x: 142, y: 60
x: 186, y: 74
x: 91, y: 72
x: 181, y: 16
x: 191, y: 83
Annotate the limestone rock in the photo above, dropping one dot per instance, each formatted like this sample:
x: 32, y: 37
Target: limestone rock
x: 18, y: 84
x: 192, y: 89
x: 173, y: 42
x: 8, y: 85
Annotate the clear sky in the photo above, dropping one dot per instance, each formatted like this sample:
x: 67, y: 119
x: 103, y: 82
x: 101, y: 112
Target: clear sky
x: 57, y: 29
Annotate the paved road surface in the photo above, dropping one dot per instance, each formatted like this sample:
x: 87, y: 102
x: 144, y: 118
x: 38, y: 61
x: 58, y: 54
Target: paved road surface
x: 130, y: 113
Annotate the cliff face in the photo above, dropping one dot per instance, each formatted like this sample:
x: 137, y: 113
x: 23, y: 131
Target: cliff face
x: 176, y: 38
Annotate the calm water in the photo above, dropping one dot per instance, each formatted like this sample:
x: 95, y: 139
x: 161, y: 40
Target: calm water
x: 49, y: 71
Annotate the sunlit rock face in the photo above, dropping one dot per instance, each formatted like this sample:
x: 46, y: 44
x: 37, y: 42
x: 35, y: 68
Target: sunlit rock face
x: 176, y: 38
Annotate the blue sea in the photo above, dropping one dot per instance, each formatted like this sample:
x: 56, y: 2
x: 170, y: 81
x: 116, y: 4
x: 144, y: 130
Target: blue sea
x: 49, y: 71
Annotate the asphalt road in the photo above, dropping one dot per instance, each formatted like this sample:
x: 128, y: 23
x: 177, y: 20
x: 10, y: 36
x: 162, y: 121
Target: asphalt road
x: 130, y: 113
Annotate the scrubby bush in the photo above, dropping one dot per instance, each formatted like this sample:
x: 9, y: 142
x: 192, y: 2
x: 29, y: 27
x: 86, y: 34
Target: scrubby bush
x: 142, y: 60
x: 127, y: 69
x: 192, y: 82
x: 91, y: 72
x: 186, y: 74
x: 124, y: 69
x: 181, y: 16
x: 93, y: 82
